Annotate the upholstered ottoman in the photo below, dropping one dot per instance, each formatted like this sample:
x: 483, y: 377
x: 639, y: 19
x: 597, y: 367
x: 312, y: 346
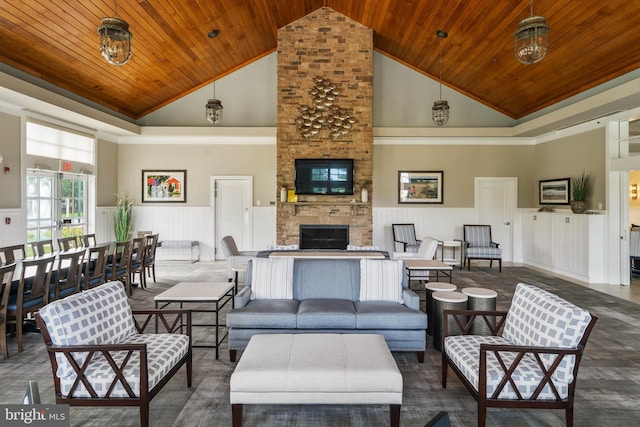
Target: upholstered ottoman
x: 316, y: 369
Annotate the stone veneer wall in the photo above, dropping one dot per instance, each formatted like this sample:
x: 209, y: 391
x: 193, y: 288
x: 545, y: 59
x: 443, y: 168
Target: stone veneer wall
x: 329, y: 45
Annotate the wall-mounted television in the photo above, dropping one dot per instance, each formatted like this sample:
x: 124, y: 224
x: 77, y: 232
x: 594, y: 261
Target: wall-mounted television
x: 324, y: 176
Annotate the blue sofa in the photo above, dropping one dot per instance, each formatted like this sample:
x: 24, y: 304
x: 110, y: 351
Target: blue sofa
x: 326, y: 300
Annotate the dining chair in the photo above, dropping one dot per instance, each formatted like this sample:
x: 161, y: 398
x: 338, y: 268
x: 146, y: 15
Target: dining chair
x: 32, y: 293
x: 67, y: 243
x: 118, y: 267
x: 137, y: 261
x: 13, y: 253
x: 6, y: 277
x: 68, y: 275
x: 94, y: 267
x: 150, y: 259
x: 42, y: 247
x: 88, y: 240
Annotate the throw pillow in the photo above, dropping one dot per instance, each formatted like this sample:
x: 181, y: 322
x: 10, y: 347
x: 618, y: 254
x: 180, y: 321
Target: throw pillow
x: 272, y: 278
x: 381, y: 280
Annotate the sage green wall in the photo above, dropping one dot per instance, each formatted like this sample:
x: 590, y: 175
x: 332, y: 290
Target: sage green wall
x: 565, y: 157
x: 10, y: 150
x: 460, y: 163
x: 107, y: 179
x: 201, y: 162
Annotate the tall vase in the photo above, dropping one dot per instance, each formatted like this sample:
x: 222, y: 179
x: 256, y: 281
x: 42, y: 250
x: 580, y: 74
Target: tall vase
x: 364, y: 195
x: 283, y: 194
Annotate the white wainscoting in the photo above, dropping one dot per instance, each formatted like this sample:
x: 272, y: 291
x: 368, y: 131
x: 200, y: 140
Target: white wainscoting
x: 439, y: 223
x: 264, y: 227
x: 16, y: 232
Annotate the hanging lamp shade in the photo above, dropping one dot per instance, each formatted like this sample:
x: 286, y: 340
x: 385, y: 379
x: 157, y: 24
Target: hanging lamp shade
x: 115, y: 40
x: 532, y: 39
x: 440, y: 112
x: 214, y: 111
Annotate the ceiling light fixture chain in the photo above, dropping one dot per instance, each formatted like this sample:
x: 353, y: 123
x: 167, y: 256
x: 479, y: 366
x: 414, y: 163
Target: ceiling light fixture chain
x: 532, y: 38
x: 440, y: 110
x: 115, y: 39
x: 214, y: 106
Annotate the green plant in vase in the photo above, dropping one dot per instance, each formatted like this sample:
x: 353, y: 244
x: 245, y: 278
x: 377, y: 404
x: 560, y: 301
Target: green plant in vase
x: 123, y: 218
x: 580, y: 192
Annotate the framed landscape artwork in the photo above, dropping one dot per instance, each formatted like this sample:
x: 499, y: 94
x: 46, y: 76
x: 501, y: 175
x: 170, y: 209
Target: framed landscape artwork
x: 159, y: 186
x: 555, y: 191
x: 420, y: 187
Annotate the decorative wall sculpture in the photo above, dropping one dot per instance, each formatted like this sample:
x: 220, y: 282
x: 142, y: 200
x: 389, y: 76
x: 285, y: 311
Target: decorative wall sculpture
x: 324, y: 113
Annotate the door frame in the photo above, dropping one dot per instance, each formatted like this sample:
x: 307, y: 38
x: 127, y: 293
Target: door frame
x: 513, y: 183
x: 248, y: 228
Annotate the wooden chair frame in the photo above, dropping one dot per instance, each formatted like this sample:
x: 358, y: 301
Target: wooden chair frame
x: 464, y: 319
x: 6, y: 278
x: 172, y: 321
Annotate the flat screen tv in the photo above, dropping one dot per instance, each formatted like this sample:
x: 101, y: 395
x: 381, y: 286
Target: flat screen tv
x: 324, y: 176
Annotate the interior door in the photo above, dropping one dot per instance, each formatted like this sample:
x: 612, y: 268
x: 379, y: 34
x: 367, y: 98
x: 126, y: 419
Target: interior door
x: 232, y: 211
x: 496, y: 201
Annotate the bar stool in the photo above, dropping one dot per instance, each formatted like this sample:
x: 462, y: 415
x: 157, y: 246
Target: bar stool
x: 443, y: 300
x: 432, y: 287
x: 484, y: 300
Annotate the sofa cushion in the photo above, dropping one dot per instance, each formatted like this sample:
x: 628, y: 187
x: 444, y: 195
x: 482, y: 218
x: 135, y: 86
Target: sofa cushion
x: 540, y: 318
x: 464, y: 352
x: 381, y: 280
x: 388, y: 315
x: 326, y: 313
x: 272, y: 278
x: 326, y: 278
x: 264, y: 314
x: 163, y: 353
x: 98, y: 316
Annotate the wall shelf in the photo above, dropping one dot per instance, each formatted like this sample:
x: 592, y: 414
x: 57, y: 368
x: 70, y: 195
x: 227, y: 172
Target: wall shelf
x: 356, y: 207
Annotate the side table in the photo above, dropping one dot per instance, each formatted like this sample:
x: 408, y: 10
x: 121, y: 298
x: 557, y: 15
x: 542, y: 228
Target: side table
x: 452, y: 246
x: 484, y: 300
x: 443, y: 300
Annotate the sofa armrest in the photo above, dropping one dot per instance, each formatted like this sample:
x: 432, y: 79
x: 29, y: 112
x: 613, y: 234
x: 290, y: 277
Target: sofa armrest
x: 164, y: 320
x: 465, y: 319
x: 411, y: 299
x: 242, y: 298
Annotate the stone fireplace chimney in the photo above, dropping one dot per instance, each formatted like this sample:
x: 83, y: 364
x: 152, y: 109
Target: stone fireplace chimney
x: 325, y: 46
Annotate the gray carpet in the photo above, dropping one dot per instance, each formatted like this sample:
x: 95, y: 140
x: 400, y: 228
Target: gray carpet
x: 607, y: 390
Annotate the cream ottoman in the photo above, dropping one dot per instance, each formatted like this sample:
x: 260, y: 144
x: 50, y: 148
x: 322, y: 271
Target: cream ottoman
x: 316, y: 369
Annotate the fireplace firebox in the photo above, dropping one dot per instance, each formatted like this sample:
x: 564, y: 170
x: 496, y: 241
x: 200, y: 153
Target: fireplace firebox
x: 325, y: 236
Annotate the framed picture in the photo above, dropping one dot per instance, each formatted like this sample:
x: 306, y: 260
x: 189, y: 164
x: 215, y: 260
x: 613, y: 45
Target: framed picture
x: 554, y: 191
x: 420, y: 187
x: 159, y: 186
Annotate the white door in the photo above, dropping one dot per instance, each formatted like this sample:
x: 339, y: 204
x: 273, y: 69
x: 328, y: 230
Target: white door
x: 496, y: 200
x: 232, y: 211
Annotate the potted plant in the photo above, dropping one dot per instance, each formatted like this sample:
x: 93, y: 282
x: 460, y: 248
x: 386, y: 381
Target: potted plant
x: 364, y: 193
x: 580, y: 191
x: 123, y: 218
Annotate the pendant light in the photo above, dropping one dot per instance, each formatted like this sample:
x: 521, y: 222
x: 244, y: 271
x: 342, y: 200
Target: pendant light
x: 532, y: 38
x: 214, y: 106
x: 115, y: 39
x: 440, y: 113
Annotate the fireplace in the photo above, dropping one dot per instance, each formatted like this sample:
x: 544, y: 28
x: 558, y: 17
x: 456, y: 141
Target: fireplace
x: 324, y: 236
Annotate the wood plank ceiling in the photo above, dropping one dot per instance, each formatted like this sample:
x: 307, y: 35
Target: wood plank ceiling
x: 592, y: 41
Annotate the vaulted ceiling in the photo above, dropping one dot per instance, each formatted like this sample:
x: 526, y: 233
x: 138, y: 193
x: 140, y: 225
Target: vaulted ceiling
x: 592, y: 42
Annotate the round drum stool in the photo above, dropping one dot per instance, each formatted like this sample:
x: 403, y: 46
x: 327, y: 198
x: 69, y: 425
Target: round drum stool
x: 484, y: 300
x: 432, y: 287
x: 443, y: 300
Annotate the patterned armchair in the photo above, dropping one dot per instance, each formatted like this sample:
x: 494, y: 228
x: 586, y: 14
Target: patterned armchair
x: 533, y: 364
x: 404, y: 238
x: 103, y: 354
x: 478, y: 245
